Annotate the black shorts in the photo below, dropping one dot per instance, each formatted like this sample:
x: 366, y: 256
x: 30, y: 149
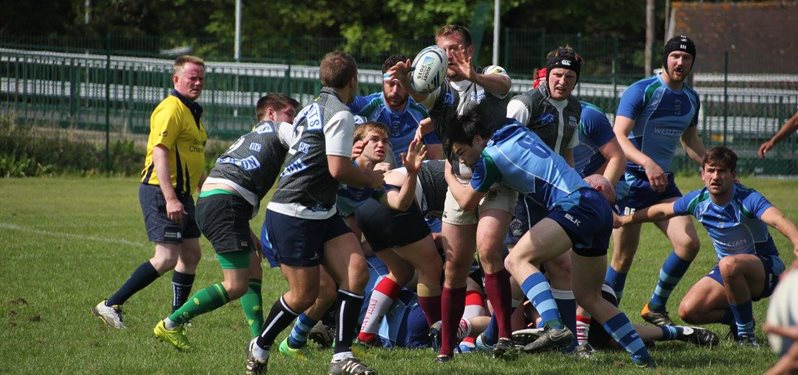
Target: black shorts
x: 386, y: 228
x: 224, y: 220
x: 300, y: 242
x: 159, y: 227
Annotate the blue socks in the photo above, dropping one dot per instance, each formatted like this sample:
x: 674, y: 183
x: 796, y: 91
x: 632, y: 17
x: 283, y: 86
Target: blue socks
x: 743, y: 318
x: 616, y: 280
x: 624, y: 334
x: 538, y: 290
x: 671, y: 273
x: 491, y: 334
x: 299, y: 335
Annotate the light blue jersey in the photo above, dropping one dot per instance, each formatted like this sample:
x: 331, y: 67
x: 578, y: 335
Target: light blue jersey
x: 594, y: 132
x: 735, y: 227
x: 516, y: 157
x: 661, y: 117
x: 402, y: 125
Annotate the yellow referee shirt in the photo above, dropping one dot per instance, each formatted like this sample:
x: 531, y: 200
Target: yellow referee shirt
x: 174, y: 126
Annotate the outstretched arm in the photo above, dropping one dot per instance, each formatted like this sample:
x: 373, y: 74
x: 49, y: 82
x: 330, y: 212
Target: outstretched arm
x: 656, y: 212
x: 788, y: 128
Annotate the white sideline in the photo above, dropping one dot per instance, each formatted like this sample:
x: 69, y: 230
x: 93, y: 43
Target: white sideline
x: 114, y: 241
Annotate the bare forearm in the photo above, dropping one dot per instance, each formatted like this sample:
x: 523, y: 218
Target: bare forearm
x: 496, y: 84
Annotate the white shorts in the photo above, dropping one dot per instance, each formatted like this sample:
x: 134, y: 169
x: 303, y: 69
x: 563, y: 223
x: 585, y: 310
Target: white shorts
x: 499, y: 197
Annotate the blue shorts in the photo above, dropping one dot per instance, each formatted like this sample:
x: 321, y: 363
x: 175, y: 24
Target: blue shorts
x: 640, y: 193
x: 300, y: 242
x: 773, y: 268
x: 527, y: 214
x: 586, y: 217
x: 159, y: 227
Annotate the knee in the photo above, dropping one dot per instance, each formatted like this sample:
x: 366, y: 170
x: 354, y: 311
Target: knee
x: 236, y: 289
x: 164, y: 261
x: 689, y: 247
x: 688, y: 313
x: 728, y: 267
x: 190, y: 255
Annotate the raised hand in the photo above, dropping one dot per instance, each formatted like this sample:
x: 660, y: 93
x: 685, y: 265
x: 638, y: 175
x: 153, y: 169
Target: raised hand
x: 414, y: 157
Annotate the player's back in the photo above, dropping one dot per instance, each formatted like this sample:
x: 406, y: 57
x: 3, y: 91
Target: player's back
x: 306, y: 188
x: 530, y: 167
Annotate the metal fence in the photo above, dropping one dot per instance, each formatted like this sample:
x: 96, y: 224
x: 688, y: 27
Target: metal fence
x: 116, y: 94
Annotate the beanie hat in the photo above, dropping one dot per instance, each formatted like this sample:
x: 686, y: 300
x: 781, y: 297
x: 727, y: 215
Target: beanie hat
x: 678, y: 43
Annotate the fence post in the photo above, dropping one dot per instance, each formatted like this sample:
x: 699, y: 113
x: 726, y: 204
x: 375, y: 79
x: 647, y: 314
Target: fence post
x: 506, y: 64
x: 725, y: 95
x: 615, y: 73
x: 107, y: 103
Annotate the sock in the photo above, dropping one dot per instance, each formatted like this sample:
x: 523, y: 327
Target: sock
x: 497, y: 287
x: 348, y: 310
x: 616, y: 280
x: 728, y: 318
x: 299, y: 334
x: 280, y: 316
x: 672, y: 271
x: 491, y: 334
x: 582, y: 329
x: 383, y: 296
x: 431, y: 306
x: 252, y: 304
x: 671, y: 332
x: 538, y: 290
x: 743, y: 318
x: 624, y: 334
x: 566, y: 305
x: 144, y: 275
x: 205, y: 300
x: 473, y: 304
x: 181, y: 288
x: 452, y: 306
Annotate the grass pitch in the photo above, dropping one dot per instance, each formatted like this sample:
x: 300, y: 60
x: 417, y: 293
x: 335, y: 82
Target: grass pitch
x: 67, y: 243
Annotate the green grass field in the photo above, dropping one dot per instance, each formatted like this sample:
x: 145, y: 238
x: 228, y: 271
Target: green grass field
x: 70, y: 242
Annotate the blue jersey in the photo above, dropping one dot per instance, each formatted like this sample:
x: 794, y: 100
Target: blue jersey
x: 734, y: 227
x: 516, y: 157
x: 594, y: 132
x: 661, y: 116
x: 402, y: 125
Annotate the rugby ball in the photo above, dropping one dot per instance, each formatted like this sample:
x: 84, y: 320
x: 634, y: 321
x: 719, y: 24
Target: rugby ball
x: 783, y: 311
x: 428, y: 69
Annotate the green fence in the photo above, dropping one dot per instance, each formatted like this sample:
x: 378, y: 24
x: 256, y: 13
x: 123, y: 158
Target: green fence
x: 115, y: 95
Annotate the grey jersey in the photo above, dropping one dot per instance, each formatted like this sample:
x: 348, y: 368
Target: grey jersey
x: 432, y: 184
x: 556, y: 127
x: 306, y: 189
x: 253, y: 162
